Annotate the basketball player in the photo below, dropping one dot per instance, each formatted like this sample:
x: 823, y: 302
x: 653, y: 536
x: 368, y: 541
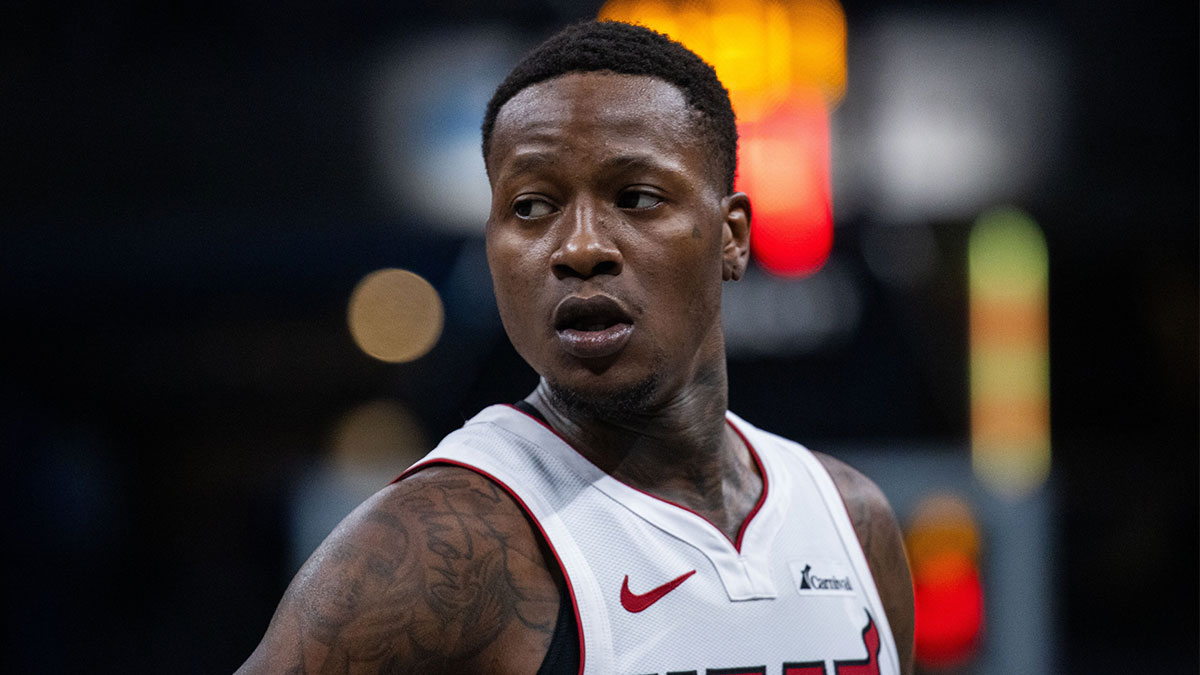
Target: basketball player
x: 618, y: 519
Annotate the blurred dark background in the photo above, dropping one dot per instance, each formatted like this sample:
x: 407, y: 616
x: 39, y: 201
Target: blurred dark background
x: 191, y: 191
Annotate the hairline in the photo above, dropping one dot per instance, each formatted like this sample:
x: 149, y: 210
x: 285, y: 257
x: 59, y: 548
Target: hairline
x: 698, y: 122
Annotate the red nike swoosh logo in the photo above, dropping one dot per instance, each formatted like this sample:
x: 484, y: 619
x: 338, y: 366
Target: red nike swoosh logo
x: 636, y: 602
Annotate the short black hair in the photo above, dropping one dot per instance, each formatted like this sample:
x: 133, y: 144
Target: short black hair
x: 628, y: 49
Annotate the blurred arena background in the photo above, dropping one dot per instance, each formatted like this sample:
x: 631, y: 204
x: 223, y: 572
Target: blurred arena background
x: 206, y: 206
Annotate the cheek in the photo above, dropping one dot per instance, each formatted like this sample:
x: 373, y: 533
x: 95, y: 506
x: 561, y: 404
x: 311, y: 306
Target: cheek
x: 694, y: 273
x: 502, y: 263
x: 515, y: 283
x: 698, y: 288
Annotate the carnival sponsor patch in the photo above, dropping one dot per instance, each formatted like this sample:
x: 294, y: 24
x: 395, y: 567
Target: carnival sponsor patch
x: 821, y: 576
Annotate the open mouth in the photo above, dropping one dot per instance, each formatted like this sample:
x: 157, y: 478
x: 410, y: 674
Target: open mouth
x: 592, y: 327
x: 589, y: 314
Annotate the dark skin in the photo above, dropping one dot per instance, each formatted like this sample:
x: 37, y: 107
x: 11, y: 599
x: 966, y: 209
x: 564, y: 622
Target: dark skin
x: 601, y: 187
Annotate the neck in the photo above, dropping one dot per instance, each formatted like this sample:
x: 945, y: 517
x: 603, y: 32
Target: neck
x: 681, y: 450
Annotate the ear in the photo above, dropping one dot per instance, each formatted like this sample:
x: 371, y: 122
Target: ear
x: 735, y: 246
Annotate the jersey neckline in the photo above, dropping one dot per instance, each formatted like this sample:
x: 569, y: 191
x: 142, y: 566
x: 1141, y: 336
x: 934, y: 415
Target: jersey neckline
x: 758, y: 463
x: 743, y: 564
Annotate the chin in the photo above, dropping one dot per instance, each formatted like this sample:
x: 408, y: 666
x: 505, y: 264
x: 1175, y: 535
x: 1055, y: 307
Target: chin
x: 622, y: 401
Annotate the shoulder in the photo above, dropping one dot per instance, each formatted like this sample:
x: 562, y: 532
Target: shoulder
x: 864, y: 500
x: 441, y: 571
x: 879, y: 535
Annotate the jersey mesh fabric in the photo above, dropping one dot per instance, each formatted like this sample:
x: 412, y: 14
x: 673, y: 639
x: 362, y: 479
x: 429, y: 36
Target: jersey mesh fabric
x: 798, y: 590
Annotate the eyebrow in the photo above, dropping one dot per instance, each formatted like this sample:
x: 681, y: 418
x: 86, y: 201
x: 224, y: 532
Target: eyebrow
x: 648, y: 162
x: 528, y: 161
x: 531, y: 161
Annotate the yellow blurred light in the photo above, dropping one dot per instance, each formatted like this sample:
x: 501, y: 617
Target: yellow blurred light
x: 1008, y: 258
x: 1008, y: 270
x: 395, y: 315
x: 819, y: 46
x: 378, y: 434
x: 762, y: 50
x: 737, y: 44
x: 1012, y: 468
x: 776, y: 35
x: 1009, y: 374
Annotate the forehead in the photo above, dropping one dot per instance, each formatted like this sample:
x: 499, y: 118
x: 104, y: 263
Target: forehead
x: 590, y: 112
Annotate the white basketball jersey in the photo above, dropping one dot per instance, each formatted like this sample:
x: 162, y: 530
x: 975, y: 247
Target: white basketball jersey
x: 659, y: 589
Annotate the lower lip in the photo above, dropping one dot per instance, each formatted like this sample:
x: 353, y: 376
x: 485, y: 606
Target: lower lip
x: 595, y: 344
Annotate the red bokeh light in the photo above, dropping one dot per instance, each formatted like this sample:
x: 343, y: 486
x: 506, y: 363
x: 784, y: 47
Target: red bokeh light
x: 949, y: 609
x: 784, y: 166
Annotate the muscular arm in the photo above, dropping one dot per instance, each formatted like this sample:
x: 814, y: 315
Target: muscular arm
x: 879, y: 534
x: 440, y: 572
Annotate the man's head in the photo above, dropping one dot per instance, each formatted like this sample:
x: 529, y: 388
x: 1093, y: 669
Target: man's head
x: 609, y: 234
x: 610, y: 46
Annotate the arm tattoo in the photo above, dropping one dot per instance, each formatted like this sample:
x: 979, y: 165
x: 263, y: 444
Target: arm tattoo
x: 430, y: 587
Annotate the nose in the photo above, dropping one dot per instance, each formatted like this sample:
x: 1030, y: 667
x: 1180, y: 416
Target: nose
x: 586, y: 248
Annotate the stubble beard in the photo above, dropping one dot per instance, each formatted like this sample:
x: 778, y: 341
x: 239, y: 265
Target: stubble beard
x: 621, y: 404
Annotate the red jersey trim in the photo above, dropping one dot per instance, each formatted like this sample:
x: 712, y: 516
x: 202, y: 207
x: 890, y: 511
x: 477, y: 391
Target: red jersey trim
x: 524, y: 507
x: 762, y: 471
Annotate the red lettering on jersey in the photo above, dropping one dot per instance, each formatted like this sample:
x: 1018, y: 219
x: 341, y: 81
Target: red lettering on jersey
x: 865, y: 666
x: 869, y: 665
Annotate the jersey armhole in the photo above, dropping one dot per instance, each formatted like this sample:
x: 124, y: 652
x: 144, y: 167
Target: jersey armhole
x: 827, y: 484
x: 564, y: 656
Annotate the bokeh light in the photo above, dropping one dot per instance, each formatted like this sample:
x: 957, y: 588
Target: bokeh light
x: 1010, y: 354
x: 763, y: 50
x: 395, y: 315
x: 784, y: 64
x: 943, y: 545
x: 426, y: 104
x: 955, y: 118
x: 379, y: 433
x: 783, y: 164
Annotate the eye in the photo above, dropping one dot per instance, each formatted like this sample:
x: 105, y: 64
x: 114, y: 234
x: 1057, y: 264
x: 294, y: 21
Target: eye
x: 532, y: 207
x: 638, y: 199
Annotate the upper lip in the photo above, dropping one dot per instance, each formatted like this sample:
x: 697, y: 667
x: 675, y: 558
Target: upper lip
x: 575, y: 311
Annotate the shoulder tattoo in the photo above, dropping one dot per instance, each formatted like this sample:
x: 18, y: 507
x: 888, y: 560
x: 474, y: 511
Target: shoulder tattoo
x: 428, y: 574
